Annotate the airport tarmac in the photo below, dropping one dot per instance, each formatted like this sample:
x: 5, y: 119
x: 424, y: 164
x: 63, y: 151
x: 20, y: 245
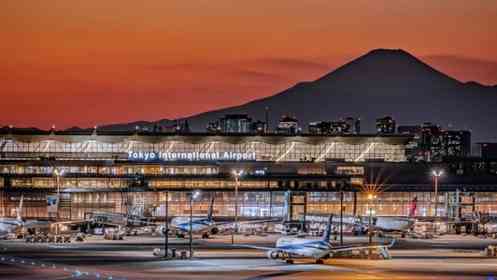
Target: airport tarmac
x: 445, y: 257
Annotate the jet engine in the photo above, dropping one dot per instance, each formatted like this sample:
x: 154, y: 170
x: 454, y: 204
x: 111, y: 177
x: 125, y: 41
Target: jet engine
x: 274, y: 255
x: 214, y: 230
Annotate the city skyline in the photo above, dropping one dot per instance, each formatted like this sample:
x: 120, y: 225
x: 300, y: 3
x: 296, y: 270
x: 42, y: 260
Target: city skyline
x: 117, y: 62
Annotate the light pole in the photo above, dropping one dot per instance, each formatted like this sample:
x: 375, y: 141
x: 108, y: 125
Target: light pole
x: 237, y: 174
x: 193, y: 195
x: 436, y: 174
x: 166, y: 226
x: 58, y: 173
x: 370, y: 223
x: 341, y: 217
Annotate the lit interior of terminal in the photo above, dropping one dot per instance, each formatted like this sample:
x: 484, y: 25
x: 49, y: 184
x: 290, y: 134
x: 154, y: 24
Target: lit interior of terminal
x: 118, y: 171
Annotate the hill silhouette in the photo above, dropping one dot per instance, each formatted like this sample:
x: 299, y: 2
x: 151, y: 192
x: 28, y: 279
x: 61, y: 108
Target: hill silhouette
x: 381, y: 82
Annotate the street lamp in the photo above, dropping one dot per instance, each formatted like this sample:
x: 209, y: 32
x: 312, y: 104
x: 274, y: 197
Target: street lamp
x: 436, y: 174
x: 341, y: 216
x: 237, y: 174
x: 193, y: 196
x: 166, y: 226
x: 57, y: 173
x: 370, y: 223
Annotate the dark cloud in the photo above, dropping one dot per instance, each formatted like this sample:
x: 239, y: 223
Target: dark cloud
x: 293, y: 63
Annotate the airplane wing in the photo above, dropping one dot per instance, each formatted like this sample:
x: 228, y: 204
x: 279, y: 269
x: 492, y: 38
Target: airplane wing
x: 259, y: 221
x: 350, y: 248
x: 73, y: 222
x: 34, y: 224
x: 247, y: 222
x: 256, y: 247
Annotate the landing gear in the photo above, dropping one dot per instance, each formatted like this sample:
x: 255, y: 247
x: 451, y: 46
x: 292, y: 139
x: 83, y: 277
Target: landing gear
x: 205, y: 235
x: 319, y: 261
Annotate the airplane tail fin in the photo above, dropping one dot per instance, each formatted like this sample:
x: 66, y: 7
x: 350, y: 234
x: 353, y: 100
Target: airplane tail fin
x: 413, y: 206
x: 19, y: 209
x: 286, y: 207
x: 211, y: 207
x: 327, y: 231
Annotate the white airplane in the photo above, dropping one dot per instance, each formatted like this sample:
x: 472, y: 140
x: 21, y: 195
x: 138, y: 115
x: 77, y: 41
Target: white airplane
x: 9, y: 226
x: 394, y: 224
x: 204, y: 226
x: 398, y: 224
x: 317, y: 249
x: 199, y: 225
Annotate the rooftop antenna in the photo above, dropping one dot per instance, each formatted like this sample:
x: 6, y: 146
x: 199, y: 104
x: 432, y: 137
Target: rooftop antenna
x: 266, y: 129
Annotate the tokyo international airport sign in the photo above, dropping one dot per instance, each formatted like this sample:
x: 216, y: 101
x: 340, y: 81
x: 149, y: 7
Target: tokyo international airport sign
x: 191, y: 156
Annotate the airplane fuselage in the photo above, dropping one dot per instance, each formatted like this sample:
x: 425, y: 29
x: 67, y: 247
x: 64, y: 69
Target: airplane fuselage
x: 198, y: 225
x: 9, y: 226
x: 312, y: 248
x: 394, y: 223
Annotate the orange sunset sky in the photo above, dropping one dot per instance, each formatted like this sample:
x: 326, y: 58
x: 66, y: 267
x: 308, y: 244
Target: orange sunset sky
x: 81, y: 63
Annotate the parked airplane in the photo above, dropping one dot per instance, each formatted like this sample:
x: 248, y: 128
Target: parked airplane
x: 205, y: 226
x: 488, y: 224
x: 317, y: 249
x: 9, y: 226
x: 199, y: 225
x: 397, y: 224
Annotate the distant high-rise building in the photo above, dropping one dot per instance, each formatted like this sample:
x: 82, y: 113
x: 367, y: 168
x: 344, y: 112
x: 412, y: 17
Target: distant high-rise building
x: 214, y: 127
x: 456, y: 143
x: 266, y: 120
x: 235, y: 123
x: 288, y: 125
x: 183, y: 126
x: 258, y: 127
x: 413, y: 147
x: 431, y: 143
x: 354, y: 125
x: 348, y: 126
x: 357, y: 126
x: 320, y: 128
x: 409, y: 129
x: 385, y: 125
x: 340, y: 127
x: 488, y: 150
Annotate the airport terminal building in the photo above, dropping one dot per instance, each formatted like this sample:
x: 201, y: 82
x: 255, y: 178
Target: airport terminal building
x: 123, y: 171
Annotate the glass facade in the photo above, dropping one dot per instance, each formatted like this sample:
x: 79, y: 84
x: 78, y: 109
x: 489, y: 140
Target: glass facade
x: 251, y: 204
x: 284, y: 149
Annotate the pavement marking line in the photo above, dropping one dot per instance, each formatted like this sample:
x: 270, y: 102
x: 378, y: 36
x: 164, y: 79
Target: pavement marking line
x: 272, y: 275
